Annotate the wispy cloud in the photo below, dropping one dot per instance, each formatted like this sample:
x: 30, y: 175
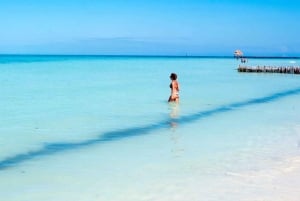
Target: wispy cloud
x: 116, y: 45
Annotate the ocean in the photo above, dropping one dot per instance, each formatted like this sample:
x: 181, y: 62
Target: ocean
x: 100, y: 128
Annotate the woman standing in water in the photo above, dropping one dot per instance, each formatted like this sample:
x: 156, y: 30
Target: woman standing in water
x: 174, y: 97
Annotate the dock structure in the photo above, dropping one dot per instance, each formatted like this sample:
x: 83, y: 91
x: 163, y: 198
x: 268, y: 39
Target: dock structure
x: 269, y: 69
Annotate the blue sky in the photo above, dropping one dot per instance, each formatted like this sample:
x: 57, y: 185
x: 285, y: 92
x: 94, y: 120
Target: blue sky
x: 165, y: 27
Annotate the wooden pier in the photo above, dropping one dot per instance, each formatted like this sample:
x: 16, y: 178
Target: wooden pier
x: 269, y: 69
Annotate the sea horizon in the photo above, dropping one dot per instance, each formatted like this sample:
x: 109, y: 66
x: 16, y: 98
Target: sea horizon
x: 151, y: 55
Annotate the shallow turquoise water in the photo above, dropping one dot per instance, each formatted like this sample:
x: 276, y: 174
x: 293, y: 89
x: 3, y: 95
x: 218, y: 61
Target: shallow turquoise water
x: 99, y: 128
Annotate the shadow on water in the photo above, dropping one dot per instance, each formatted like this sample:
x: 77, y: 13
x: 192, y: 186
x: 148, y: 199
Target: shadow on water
x: 53, y: 148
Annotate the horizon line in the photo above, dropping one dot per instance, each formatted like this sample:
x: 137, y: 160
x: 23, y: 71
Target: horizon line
x: 151, y: 55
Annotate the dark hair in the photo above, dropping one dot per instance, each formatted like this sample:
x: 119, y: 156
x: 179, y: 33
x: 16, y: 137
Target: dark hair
x: 173, y: 76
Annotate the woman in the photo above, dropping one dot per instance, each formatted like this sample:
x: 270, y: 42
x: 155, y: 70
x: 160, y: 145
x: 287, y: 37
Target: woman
x: 174, y: 88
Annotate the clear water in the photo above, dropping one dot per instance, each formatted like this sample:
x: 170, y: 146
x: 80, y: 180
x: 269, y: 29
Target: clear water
x: 100, y: 128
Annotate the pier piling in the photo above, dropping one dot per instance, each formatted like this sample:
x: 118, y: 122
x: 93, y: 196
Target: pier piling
x: 269, y: 69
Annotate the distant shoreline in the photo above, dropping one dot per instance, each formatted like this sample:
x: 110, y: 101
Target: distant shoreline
x: 146, y: 56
